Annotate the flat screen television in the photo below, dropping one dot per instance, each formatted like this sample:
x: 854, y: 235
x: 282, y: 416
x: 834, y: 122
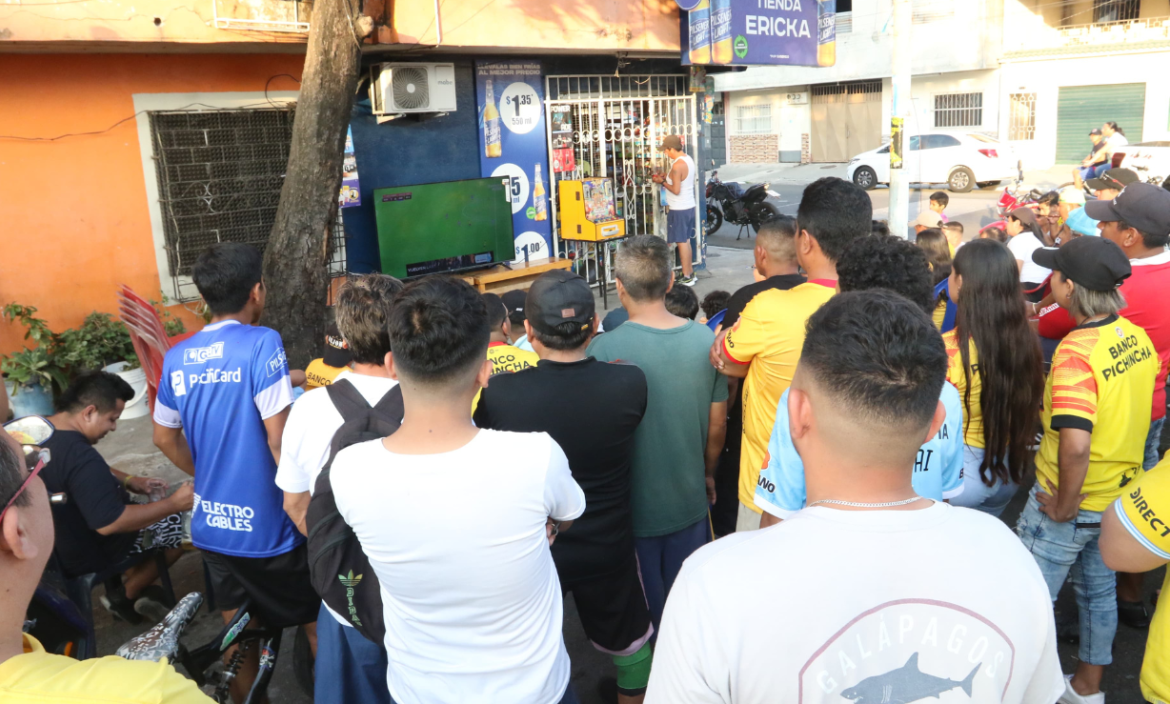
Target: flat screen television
x: 444, y: 227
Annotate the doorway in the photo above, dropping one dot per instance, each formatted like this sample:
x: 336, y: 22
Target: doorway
x: 846, y: 120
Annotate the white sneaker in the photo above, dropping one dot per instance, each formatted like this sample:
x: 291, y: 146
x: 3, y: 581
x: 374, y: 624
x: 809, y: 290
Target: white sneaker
x: 1070, y: 695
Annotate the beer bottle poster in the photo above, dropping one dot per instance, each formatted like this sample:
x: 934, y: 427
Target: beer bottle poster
x: 759, y: 32
x: 513, y: 144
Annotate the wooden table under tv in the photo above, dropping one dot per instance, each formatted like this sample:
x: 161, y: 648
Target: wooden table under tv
x: 501, y: 278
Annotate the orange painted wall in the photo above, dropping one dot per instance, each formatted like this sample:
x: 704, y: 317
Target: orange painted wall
x: 73, y: 212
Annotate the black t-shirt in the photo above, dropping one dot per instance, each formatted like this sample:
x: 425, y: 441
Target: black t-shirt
x: 744, y: 296
x: 591, y: 409
x: 95, y: 499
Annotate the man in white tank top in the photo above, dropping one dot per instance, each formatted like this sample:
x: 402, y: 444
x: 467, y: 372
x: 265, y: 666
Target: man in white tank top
x: 680, y: 202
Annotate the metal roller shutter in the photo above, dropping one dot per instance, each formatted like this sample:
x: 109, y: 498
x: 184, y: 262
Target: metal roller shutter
x: 1081, y: 108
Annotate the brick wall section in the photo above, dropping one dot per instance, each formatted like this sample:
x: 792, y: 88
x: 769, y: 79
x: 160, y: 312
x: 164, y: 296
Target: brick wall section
x: 755, y: 149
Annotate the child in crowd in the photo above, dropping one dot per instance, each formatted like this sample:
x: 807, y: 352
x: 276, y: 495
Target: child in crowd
x: 336, y: 358
x: 683, y: 302
x: 934, y: 243
x: 713, y: 303
x: 953, y: 231
x: 939, y: 200
x: 994, y: 233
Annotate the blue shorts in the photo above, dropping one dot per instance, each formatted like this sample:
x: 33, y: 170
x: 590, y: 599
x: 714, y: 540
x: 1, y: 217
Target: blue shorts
x: 680, y: 225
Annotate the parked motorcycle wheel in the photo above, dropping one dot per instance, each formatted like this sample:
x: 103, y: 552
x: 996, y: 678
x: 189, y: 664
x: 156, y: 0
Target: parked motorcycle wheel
x: 762, y: 213
x: 714, y: 220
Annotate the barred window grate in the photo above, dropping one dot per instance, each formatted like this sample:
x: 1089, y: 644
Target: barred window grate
x: 1105, y: 11
x: 1022, y: 123
x: 958, y: 110
x: 753, y: 119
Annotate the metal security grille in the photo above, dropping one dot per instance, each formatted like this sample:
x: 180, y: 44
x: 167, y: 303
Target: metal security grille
x: 1115, y: 10
x: 829, y: 92
x: 925, y: 11
x: 617, y: 123
x: 219, y: 178
x: 753, y: 119
x: 958, y: 110
x: 1022, y: 125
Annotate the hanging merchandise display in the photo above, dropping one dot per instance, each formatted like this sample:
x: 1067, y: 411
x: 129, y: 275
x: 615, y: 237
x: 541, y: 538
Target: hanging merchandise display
x: 513, y: 145
x: 350, y: 195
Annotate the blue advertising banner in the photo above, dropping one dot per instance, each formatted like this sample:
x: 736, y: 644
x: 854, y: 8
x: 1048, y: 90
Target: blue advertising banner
x: 513, y: 143
x: 760, y: 32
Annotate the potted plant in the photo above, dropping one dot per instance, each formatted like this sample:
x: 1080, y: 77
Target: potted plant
x: 31, y: 373
x: 101, y: 342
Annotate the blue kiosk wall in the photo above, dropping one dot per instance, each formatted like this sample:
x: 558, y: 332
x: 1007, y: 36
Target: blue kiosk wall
x: 404, y: 152
x: 430, y: 149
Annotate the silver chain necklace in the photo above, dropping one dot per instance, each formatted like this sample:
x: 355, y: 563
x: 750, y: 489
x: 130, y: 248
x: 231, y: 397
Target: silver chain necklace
x: 855, y: 504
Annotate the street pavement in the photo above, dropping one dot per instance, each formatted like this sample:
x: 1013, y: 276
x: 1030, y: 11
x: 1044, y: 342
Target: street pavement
x: 975, y: 209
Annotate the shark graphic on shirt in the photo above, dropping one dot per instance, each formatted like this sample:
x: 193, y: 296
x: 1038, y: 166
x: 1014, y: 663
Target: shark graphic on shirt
x: 905, y: 685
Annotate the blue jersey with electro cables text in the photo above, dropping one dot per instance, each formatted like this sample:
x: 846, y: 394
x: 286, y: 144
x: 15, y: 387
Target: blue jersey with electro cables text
x: 219, y: 386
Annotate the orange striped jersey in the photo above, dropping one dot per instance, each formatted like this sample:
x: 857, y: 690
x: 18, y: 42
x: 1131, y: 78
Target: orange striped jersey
x: 973, y: 406
x: 1102, y: 380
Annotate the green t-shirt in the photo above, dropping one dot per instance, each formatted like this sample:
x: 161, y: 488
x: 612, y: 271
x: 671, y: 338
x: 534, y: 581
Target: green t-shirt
x: 668, y: 490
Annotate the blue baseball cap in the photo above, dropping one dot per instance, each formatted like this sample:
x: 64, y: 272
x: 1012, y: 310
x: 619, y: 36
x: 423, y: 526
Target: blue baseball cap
x: 1079, y: 221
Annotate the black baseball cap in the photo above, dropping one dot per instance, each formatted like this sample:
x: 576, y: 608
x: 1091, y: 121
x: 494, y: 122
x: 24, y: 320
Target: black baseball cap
x: 559, y: 297
x: 337, y: 352
x: 514, y: 302
x: 1143, y: 206
x: 1095, y: 130
x: 1093, y: 262
x: 1116, y: 179
x: 1024, y: 215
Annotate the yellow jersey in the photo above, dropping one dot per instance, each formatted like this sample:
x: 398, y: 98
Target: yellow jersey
x: 37, y: 677
x: 506, y: 358
x: 1144, y: 510
x: 319, y: 374
x: 769, y: 336
x: 1102, y: 380
x: 939, y: 315
x: 972, y: 407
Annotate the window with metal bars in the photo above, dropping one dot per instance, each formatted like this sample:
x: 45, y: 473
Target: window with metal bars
x: 219, y: 178
x: 1115, y: 10
x: 753, y: 119
x: 1022, y: 118
x: 958, y: 110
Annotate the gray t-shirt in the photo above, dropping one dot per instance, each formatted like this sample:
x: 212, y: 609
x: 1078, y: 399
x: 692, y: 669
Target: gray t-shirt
x: 668, y: 490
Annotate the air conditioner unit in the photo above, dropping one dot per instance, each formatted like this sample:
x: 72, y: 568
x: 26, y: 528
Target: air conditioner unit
x: 401, y: 88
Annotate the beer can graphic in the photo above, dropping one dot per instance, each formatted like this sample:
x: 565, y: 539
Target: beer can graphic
x: 721, y: 52
x: 826, y: 32
x: 700, y: 32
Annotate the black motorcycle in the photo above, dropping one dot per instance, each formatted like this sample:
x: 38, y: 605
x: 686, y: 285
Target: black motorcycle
x: 731, y: 202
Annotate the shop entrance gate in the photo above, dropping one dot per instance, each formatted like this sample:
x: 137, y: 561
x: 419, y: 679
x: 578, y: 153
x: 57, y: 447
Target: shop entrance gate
x: 617, y: 124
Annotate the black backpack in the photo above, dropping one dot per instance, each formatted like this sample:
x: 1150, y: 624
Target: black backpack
x: 338, y: 568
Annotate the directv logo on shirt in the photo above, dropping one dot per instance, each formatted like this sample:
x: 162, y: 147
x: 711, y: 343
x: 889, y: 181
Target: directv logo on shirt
x: 199, y: 355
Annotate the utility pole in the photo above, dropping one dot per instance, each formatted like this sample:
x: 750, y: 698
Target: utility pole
x: 903, y: 47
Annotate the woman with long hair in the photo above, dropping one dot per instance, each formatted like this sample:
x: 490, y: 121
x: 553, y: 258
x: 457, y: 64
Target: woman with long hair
x: 996, y: 366
x: 938, y: 253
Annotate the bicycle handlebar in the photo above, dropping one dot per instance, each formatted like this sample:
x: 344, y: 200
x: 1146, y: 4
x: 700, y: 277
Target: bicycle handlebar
x: 162, y: 641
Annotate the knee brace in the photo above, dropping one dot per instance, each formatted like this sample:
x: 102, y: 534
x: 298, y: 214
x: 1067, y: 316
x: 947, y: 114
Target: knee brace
x: 633, y: 671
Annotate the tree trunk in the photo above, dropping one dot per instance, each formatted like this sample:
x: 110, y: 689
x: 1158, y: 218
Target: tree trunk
x: 296, y: 261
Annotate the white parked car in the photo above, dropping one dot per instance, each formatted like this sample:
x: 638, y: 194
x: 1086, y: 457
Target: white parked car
x: 961, y: 161
x: 1149, y: 160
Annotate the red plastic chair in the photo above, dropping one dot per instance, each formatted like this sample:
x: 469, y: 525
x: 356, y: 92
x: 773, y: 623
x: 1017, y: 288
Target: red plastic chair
x: 148, y: 336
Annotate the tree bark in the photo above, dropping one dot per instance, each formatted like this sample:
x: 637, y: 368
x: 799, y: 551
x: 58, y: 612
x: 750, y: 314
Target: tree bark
x: 296, y: 261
